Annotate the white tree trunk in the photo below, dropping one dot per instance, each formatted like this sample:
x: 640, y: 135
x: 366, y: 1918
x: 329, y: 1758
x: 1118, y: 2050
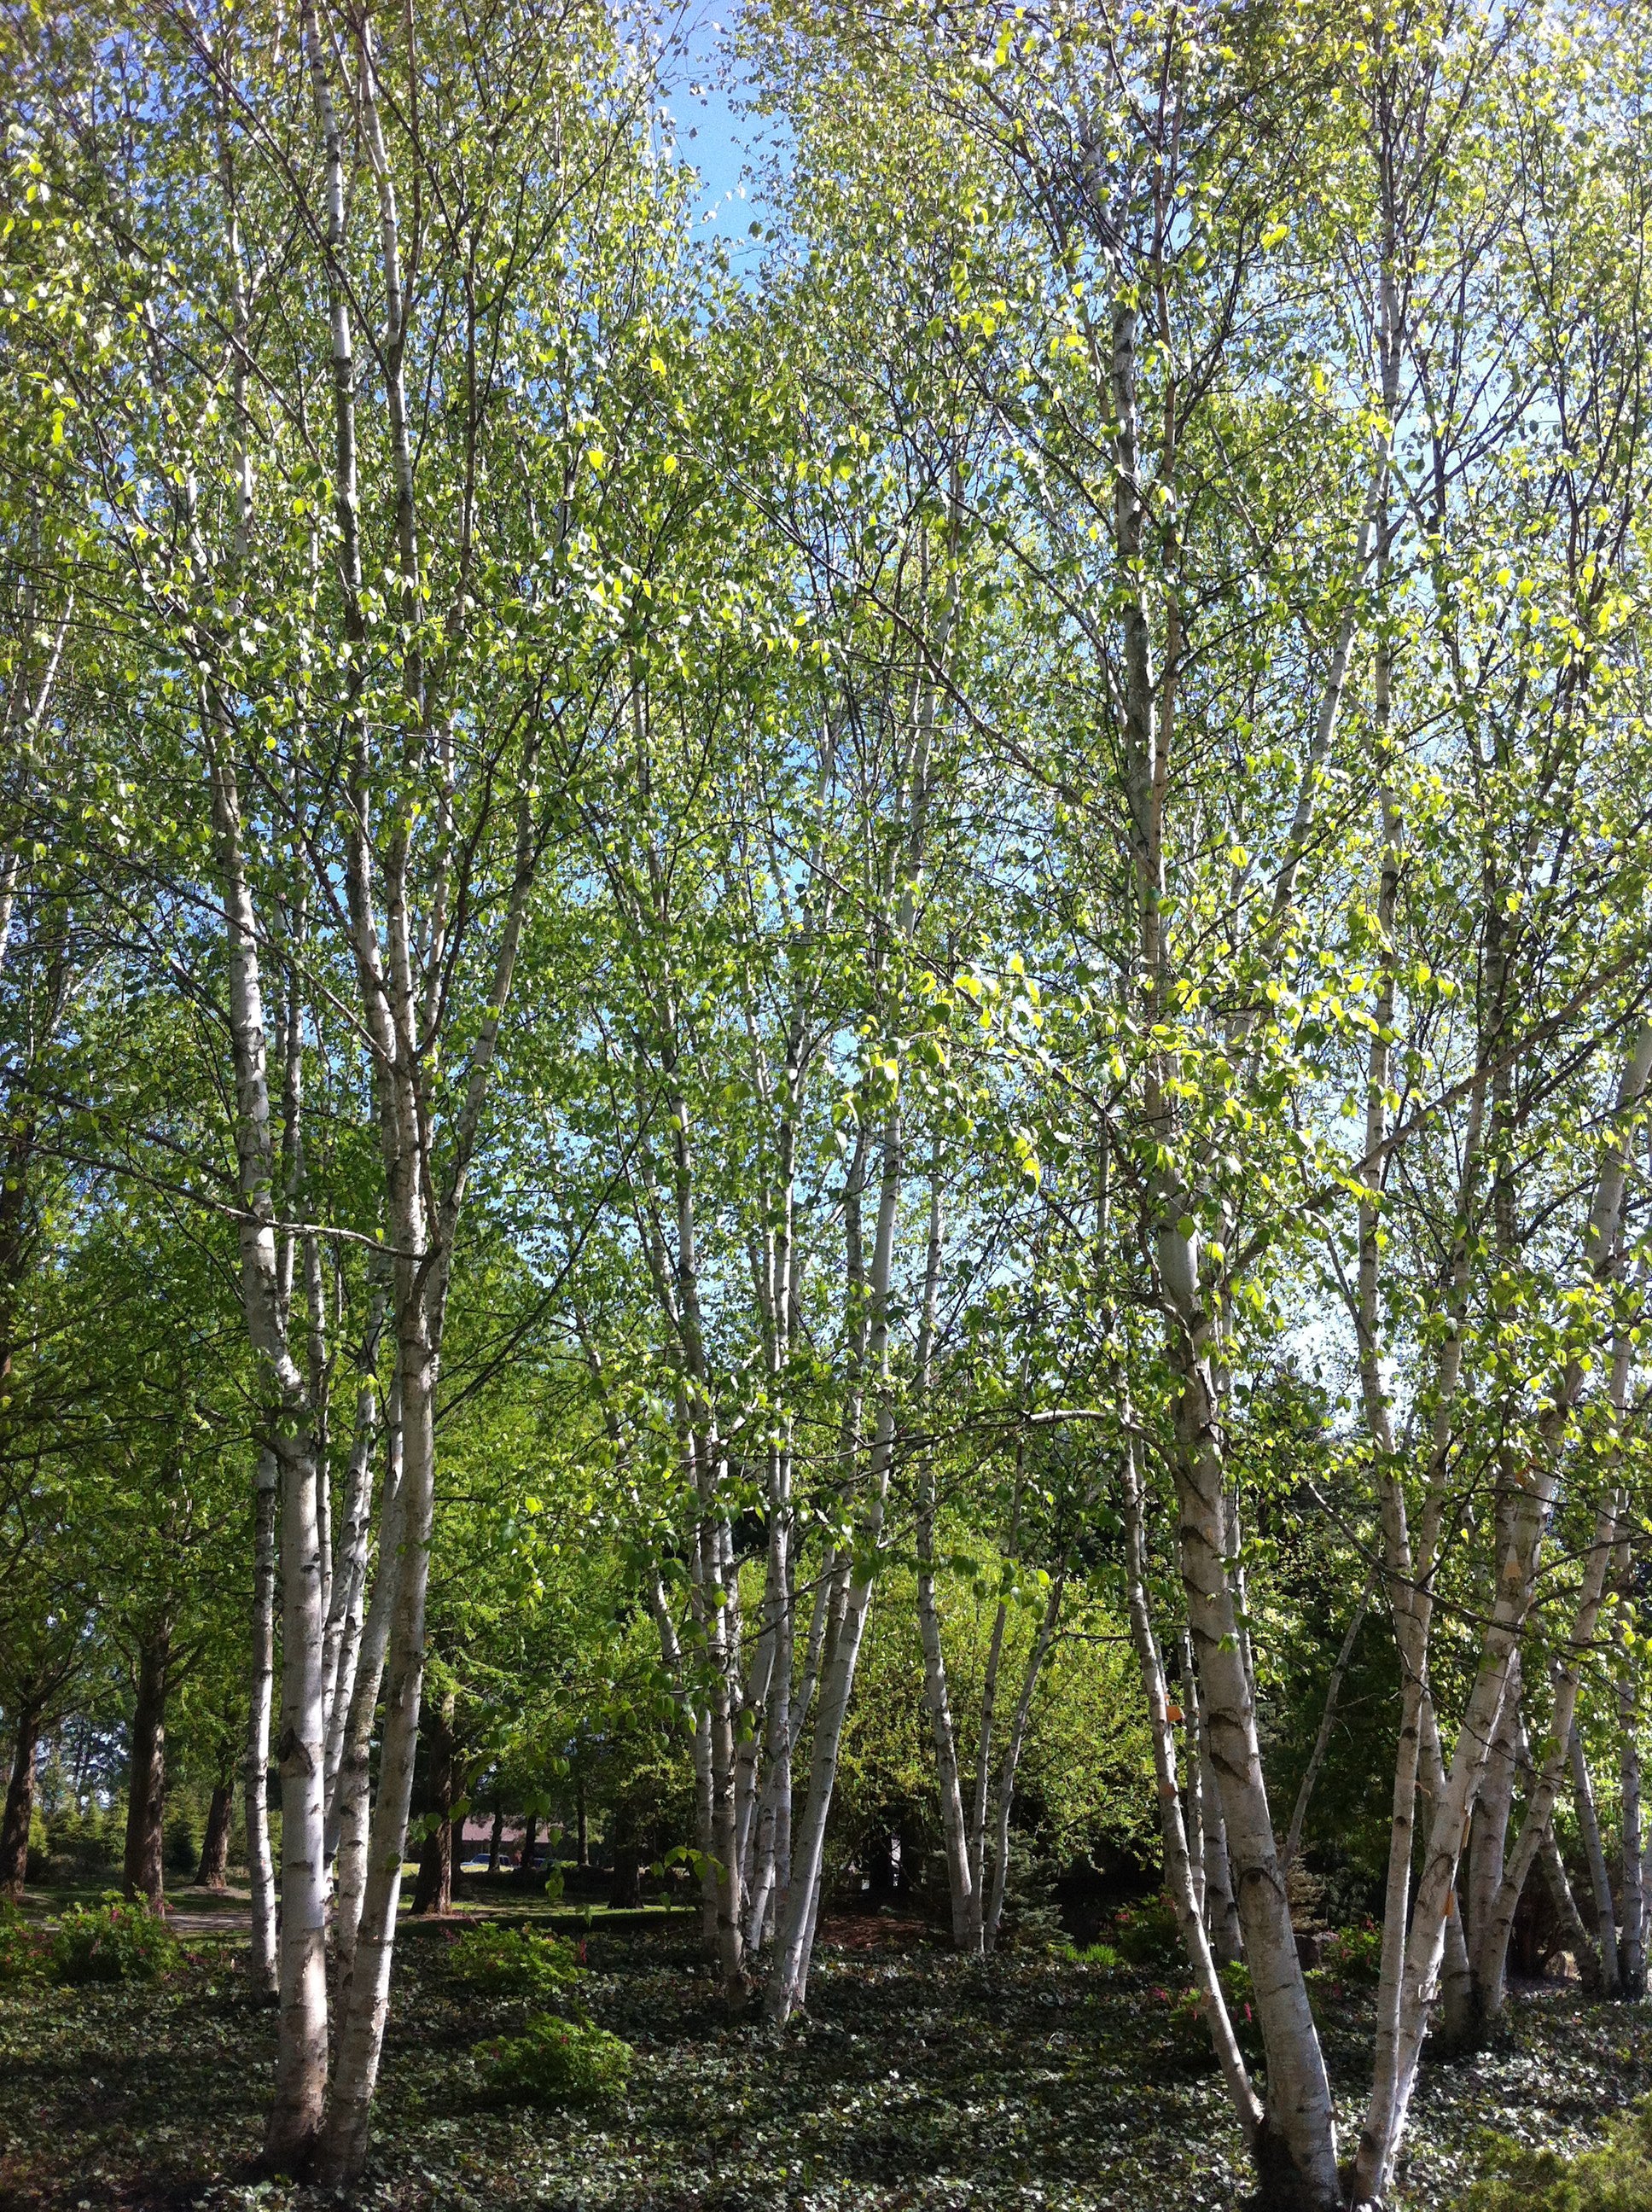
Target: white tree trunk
x: 1632, y: 1949
x: 1589, y: 1828
x: 1012, y: 1750
x: 1488, y: 1844
x: 955, y: 1840
x: 301, y: 2041
x: 365, y: 1997
x: 1491, y: 1946
x: 347, y: 1800
x: 788, y: 1976
x: 342, y: 1646
x: 1178, y: 1871
x: 1301, y: 2122
x: 1584, y: 1952
x: 261, y: 1949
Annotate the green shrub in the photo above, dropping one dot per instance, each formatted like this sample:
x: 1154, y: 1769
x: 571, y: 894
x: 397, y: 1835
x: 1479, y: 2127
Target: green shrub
x: 1148, y: 1935
x: 182, y: 1843
x: 557, y: 2062
x: 83, y: 1846
x: 1190, y: 2037
x: 1100, y: 1955
x: 509, y: 1962
x: 22, y: 1950
x: 118, y: 1941
x: 1617, y: 2178
x: 1354, y: 1954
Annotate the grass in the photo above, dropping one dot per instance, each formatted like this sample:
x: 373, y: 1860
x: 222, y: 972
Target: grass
x: 918, y: 2080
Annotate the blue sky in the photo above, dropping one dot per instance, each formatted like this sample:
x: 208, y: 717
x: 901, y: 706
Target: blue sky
x: 719, y: 141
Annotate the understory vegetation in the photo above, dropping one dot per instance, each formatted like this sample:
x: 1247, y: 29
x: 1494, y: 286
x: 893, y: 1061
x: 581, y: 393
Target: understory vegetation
x: 918, y: 2079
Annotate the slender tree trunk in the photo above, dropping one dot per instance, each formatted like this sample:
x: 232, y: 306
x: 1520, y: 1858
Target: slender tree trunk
x: 788, y: 1980
x: 302, y: 2049
x: 1012, y: 1750
x: 1488, y: 1842
x: 434, y: 1890
x: 302, y: 2034
x: 955, y: 1840
x: 981, y: 1803
x: 966, y: 1925
x: 142, y: 1872
x: 213, y: 1870
x: 341, y: 1649
x: 348, y: 1806
x: 1566, y: 1906
x: 255, y: 1778
x: 1436, y: 1888
x: 776, y: 1787
x: 1327, y: 1721
x: 1221, y: 1908
x: 1491, y: 1945
x: 20, y: 1802
x: 774, y: 1876
x: 1178, y: 1869
x: 1193, y: 1817
x: 1631, y: 1947
x: 1456, y: 2001
x: 788, y: 1976
x: 1300, y: 2125
x: 365, y: 2006
x: 496, y: 1844
x: 1589, y: 1826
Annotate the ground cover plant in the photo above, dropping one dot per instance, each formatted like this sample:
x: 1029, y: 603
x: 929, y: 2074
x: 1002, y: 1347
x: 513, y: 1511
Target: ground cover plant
x: 918, y: 2078
x: 825, y: 1095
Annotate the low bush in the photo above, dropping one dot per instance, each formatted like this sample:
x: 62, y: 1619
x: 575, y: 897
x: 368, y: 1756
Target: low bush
x: 557, y: 2062
x: 1190, y: 2036
x: 1354, y: 1954
x: 1100, y: 1955
x: 23, y: 1948
x: 1148, y: 1935
x: 119, y: 1940
x: 83, y: 1847
x: 510, y: 1962
x: 1617, y: 2178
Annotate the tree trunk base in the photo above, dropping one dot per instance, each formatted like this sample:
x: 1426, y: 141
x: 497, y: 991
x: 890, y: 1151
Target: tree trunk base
x: 1280, y: 2186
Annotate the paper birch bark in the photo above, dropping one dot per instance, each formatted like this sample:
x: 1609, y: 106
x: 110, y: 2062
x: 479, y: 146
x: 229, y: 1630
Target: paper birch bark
x: 260, y: 1864
x: 1300, y: 2126
x: 301, y: 2063
x: 1178, y: 1869
x: 1589, y: 1828
x: 1529, y: 1505
x: 1043, y: 1636
x: 1501, y: 1901
x: 869, y: 1363
x: 348, y: 1791
x: 1625, y: 1690
x: 401, y: 931
x: 967, y: 1922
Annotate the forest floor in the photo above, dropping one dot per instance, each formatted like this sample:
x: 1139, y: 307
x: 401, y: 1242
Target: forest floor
x: 917, y: 2081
